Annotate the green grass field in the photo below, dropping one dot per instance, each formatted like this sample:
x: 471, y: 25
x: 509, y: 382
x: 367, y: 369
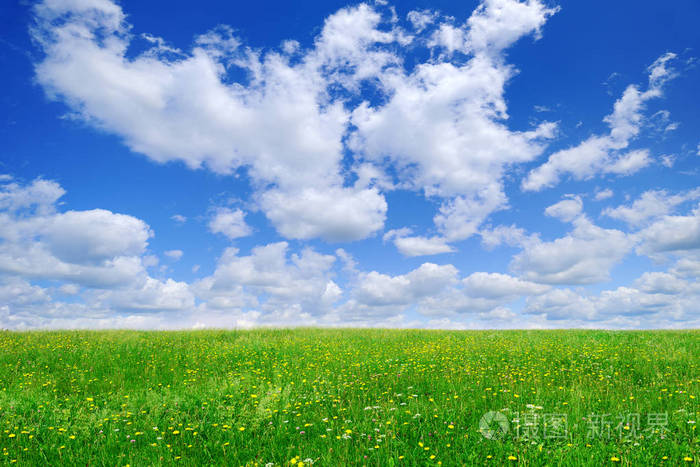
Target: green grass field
x: 349, y: 397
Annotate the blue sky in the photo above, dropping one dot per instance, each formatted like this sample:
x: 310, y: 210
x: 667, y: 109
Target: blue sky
x: 495, y: 164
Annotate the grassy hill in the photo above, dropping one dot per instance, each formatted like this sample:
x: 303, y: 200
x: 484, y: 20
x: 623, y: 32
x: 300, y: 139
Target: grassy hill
x: 349, y: 397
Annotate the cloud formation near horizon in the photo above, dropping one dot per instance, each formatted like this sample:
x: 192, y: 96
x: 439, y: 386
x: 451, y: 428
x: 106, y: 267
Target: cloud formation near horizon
x: 325, y: 135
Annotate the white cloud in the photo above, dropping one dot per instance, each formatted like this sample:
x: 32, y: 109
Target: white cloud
x: 497, y: 24
x: 203, y: 121
x: 510, y: 235
x: 498, y: 286
x: 661, y: 123
x: 435, y: 291
x: 455, y: 144
x: 335, y: 214
x: 101, y: 251
x: 94, y: 248
x: 461, y: 217
x: 421, y: 246
x: 657, y: 300
x: 667, y: 160
x: 658, y: 73
x: 175, y: 255
x: 650, y: 205
x: 287, y: 124
x: 451, y: 146
x: 687, y: 266
x: 671, y: 234
x: 93, y: 237
x: 450, y: 38
x: 69, y: 289
x: 298, y: 281
x: 150, y: 261
x: 454, y: 302
x: 632, y: 302
x: 17, y: 292
x: 629, y: 163
x: 41, y: 194
x: 603, y: 194
x: 411, y: 246
x: 230, y: 223
x: 319, y: 161
x: 376, y: 289
x: 672, y: 127
x: 661, y: 282
x: 420, y: 19
x: 584, y: 256
x: 109, y: 286
x: 561, y: 304
x: 152, y: 295
x: 605, y: 153
x: 566, y: 210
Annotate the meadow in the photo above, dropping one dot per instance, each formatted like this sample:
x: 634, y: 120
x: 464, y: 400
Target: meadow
x: 349, y: 397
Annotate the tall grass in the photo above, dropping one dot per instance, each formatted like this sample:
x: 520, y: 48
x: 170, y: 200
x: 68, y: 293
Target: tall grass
x: 349, y: 397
